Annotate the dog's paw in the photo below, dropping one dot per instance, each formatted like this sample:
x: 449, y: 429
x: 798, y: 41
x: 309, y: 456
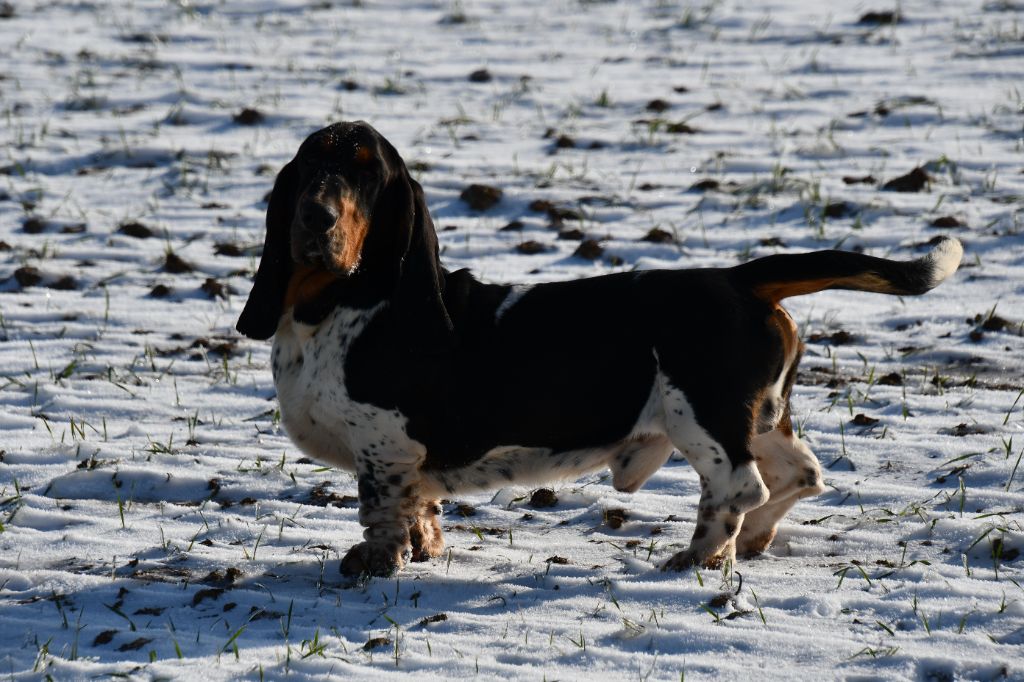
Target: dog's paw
x: 374, y: 559
x: 680, y: 561
x: 687, y: 559
x: 751, y: 544
x: 427, y: 539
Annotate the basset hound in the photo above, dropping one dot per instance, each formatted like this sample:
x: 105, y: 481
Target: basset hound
x: 428, y: 383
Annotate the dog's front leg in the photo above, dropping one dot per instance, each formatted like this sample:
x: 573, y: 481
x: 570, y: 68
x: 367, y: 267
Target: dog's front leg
x: 389, y: 505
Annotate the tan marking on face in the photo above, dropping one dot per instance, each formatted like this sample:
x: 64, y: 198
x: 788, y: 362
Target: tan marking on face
x: 348, y: 235
x: 305, y: 284
x: 362, y: 154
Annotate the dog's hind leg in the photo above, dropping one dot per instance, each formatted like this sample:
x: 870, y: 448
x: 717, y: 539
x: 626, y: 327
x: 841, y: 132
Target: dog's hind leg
x: 791, y: 472
x: 638, y: 461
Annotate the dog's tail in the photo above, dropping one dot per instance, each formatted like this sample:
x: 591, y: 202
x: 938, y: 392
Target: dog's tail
x: 774, y: 278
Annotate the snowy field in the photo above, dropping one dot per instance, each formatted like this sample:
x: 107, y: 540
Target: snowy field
x: 155, y: 520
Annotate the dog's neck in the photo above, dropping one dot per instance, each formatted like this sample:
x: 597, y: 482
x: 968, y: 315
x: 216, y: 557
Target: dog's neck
x: 313, y: 292
x: 306, y: 284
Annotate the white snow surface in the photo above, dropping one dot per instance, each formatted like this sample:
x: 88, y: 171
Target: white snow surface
x: 155, y: 520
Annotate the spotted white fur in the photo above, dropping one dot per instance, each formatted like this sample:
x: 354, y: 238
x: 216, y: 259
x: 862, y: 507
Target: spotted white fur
x: 316, y: 410
x: 791, y: 472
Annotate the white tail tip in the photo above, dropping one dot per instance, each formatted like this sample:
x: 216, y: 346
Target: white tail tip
x: 944, y: 259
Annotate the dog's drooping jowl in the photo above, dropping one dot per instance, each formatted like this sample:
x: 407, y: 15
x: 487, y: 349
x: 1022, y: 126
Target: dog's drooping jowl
x: 428, y: 383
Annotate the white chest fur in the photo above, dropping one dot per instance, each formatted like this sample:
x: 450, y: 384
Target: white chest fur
x: 308, y: 365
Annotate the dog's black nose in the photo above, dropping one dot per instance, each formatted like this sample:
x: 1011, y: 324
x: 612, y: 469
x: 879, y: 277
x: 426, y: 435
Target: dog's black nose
x: 318, y: 217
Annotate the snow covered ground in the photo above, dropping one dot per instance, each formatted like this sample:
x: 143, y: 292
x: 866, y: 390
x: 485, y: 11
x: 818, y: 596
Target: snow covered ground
x: 155, y: 521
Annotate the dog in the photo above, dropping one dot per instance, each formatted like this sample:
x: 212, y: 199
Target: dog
x: 428, y: 383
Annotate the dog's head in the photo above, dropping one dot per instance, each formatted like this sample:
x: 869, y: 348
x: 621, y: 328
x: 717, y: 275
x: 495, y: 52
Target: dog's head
x: 345, y: 215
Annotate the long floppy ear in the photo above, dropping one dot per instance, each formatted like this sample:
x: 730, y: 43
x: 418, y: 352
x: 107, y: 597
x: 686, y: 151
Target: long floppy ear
x: 418, y: 298
x: 263, y: 310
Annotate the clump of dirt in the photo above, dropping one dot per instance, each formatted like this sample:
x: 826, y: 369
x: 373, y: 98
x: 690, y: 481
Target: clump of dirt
x: 465, y: 510
x: 175, y: 264
x: 560, y: 560
x: 880, y: 18
x: 530, y: 247
x: 963, y: 429
x: 556, y: 214
x: 718, y: 601
x: 209, y: 593
x: 680, y: 128
x: 990, y: 322
x: 249, y: 117
x: 64, y: 283
x: 480, y: 76
x: 589, y: 249
x: 33, y: 225
x: 376, y: 643
x: 914, y: 181
x: 839, y: 209
x: 859, y: 179
x: 838, y: 338
x: 135, y: 644
x: 987, y: 323
x: 771, y: 241
x: 321, y: 496
x: 565, y: 142
x: 160, y: 291
x: 228, y: 249
x: 861, y: 419
x: 704, y: 185
x: 135, y: 229
x: 947, y: 221
x: 891, y: 379
x: 571, y: 234
x: 658, y: 106
x: 513, y: 226
x: 105, y: 637
x: 225, y: 348
x: 28, y: 276
x: 481, y: 197
x: 215, y: 289
x: 656, y: 235
x: 543, y: 498
x: 223, y: 579
x: 436, y: 618
x: 614, y: 518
